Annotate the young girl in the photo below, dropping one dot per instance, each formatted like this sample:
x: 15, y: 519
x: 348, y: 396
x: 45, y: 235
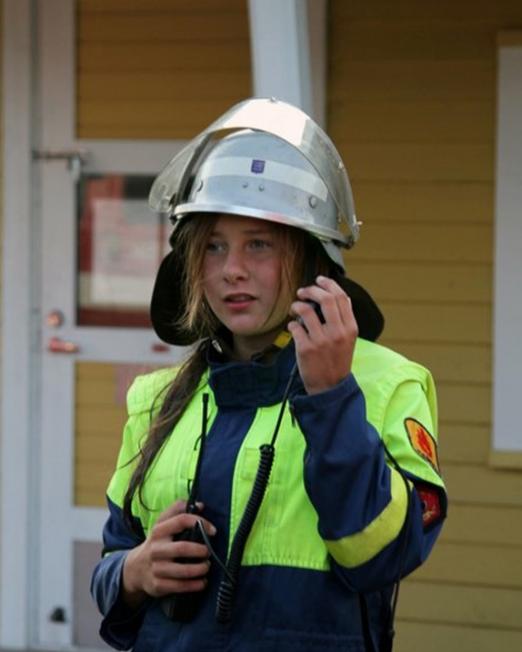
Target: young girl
x: 270, y: 492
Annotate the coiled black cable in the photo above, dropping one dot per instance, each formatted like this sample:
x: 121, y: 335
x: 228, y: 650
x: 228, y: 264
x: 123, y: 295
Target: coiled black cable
x: 227, y: 586
x: 225, y: 597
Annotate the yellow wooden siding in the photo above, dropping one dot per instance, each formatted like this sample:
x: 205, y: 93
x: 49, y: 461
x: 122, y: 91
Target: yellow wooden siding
x: 159, y: 69
x: 100, y: 414
x: 411, y: 105
x: 99, y: 421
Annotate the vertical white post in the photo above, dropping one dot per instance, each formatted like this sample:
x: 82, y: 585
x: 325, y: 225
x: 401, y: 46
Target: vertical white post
x: 507, y: 352
x: 16, y: 336
x: 283, y: 63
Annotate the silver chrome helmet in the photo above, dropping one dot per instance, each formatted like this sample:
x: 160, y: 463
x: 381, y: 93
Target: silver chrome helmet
x: 264, y: 159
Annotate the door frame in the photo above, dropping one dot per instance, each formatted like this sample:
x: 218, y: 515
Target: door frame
x: 19, y: 332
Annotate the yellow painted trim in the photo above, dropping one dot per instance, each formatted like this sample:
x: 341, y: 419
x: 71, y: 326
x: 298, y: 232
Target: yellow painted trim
x: 509, y: 38
x: 358, y: 548
x: 506, y: 459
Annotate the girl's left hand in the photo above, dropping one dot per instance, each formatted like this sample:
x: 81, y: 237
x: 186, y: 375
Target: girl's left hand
x: 324, y: 351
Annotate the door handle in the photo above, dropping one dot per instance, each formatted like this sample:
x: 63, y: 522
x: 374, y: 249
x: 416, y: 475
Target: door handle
x: 159, y: 347
x: 76, y: 158
x: 57, y: 345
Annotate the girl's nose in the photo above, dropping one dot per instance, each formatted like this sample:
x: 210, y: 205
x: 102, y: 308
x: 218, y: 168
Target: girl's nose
x: 235, y: 267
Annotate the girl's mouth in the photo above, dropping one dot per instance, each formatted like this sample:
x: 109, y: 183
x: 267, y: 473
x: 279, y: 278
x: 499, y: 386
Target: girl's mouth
x: 239, y: 300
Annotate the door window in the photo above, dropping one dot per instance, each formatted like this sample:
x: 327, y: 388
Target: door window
x: 121, y: 243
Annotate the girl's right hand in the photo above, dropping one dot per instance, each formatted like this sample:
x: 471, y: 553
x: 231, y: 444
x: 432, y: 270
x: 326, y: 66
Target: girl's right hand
x: 152, y: 569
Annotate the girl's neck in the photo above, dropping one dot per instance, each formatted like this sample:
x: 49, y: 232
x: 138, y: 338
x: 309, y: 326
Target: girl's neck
x: 244, y: 347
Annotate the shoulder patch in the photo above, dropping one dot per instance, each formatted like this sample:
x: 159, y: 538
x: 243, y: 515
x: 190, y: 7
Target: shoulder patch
x: 422, y: 442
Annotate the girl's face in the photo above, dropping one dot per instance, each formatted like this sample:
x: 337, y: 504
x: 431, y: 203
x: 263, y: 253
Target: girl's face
x: 242, y: 281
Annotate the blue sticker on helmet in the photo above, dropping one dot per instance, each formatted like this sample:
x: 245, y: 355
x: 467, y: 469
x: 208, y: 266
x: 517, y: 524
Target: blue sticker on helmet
x: 258, y: 166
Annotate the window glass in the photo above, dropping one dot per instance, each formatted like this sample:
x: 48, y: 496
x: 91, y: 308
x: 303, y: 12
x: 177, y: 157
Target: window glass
x: 121, y: 243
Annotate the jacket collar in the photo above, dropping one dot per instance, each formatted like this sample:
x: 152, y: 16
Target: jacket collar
x: 251, y: 384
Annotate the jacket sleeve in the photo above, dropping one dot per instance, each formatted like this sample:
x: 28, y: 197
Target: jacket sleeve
x: 371, y: 516
x: 120, y: 625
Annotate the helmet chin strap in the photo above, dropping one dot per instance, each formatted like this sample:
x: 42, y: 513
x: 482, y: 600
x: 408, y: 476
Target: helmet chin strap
x: 282, y: 339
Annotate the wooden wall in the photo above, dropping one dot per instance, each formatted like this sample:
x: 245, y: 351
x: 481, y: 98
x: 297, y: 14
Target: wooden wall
x: 100, y: 415
x: 411, y: 105
x: 159, y: 68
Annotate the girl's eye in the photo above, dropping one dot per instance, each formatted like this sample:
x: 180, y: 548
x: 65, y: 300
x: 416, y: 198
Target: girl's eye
x: 259, y: 244
x: 215, y: 247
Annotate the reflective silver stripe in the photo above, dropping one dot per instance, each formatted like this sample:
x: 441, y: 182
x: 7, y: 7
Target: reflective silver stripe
x: 240, y: 166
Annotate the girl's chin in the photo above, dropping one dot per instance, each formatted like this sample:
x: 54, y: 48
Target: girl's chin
x: 254, y: 330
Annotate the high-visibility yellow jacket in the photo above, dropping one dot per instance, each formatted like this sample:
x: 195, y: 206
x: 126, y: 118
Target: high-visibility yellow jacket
x: 332, y: 522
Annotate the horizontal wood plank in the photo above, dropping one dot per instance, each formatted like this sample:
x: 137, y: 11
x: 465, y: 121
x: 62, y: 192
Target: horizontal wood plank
x: 461, y: 605
x: 92, y: 482
x: 501, y: 11
x: 94, y: 371
x: 176, y: 120
x: 424, y: 41
x: 430, y: 637
x: 426, y: 243
x: 412, y: 80
x: 415, y: 162
x: 89, y: 498
x: 483, y: 566
x: 116, y: 27
x: 101, y: 393
x: 129, y: 86
x: 482, y: 524
x: 421, y: 281
x: 450, y: 363
x: 510, y: 38
x: 138, y: 131
x: 481, y: 485
x: 109, y: 371
x: 93, y: 449
x: 464, y: 403
x: 165, y: 57
x: 459, y: 324
x: 147, y: 6
x: 368, y: 121
x: 467, y: 443
x: 506, y: 459
x: 105, y: 420
x: 423, y: 202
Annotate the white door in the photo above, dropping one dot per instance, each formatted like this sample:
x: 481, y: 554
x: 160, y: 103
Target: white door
x: 99, y: 248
